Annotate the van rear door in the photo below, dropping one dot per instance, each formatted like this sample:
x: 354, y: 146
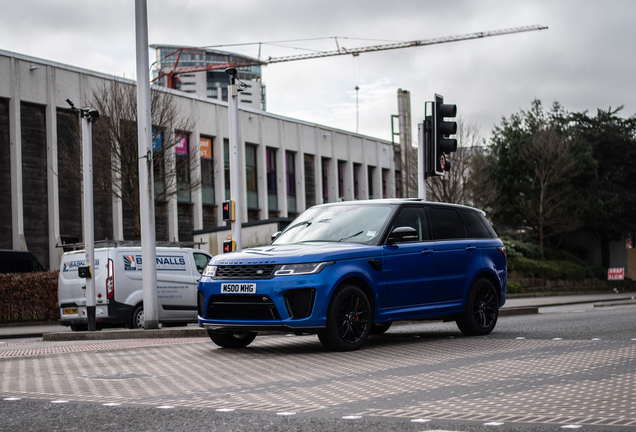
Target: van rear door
x: 72, y: 288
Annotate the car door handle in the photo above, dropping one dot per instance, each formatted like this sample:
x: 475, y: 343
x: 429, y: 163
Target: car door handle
x: 471, y: 248
x: 427, y: 251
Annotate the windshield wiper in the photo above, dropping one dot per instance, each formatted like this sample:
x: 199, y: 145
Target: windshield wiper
x: 351, y: 236
x: 307, y: 222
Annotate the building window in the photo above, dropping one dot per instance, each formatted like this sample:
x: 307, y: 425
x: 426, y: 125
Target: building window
x: 356, y: 179
x: 272, y: 195
x: 310, y: 181
x: 158, y: 165
x: 370, y: 173
x: 245, y: 101
x: 213, y: 93
x: 341, y: 177
x: 189, y: 83
x: 183, y: 168
x: 290, y: 172
x: 251, y: 179
x: 246, y: 94
x: 385, y: 176
x: 207, y: 171
x: 325, y: 180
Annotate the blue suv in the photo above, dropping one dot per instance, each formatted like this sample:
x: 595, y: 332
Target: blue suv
x: 346, y: 270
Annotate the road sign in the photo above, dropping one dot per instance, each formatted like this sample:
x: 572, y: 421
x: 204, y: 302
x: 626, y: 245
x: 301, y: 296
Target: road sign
x: 615, y: 274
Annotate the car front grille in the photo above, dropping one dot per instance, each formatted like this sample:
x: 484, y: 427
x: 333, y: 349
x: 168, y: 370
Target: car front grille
x: 258, y: 271
x: 242, y: 307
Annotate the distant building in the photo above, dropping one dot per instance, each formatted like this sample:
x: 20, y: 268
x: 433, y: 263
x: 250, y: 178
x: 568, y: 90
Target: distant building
x: 289, y: 165
x: 211, y: 84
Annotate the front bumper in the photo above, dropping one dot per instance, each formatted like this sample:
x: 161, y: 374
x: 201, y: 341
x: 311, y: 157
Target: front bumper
x: 284, y: 303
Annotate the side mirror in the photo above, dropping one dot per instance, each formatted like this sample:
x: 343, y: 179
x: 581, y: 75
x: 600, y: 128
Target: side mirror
x: 402, y: 234
x: 276, y: 234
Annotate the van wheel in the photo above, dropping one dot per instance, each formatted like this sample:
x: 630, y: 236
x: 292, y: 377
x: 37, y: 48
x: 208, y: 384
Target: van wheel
x: 232, y: 339
x: 348, y: 320
x: 482, y: 310
x: 79, y: 327
x: 380, y: 328
x: 137, y: 319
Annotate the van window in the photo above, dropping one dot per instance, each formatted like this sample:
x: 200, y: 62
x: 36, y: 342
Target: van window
x: 474, y: 226
x: 446, y: 224
x: 201, y: 260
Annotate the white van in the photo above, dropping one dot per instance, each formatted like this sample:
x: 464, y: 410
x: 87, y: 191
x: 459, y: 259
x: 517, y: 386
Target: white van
x: 118, y: 287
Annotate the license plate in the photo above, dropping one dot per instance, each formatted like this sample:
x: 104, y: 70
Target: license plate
x: 70, y: 311
x: 238, y: 288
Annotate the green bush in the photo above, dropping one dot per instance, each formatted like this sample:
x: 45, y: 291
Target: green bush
x: 514, y: 288
x: 544, y: 269
x: 517, y: 248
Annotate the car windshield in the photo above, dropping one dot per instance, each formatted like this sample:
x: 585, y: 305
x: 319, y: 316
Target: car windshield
x: 339, y: 223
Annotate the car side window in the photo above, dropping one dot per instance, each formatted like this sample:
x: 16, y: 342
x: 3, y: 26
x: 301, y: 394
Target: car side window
x: 413, y: 217
x: 201, y: 260
x: 446, y: 224
x: 474, y: 227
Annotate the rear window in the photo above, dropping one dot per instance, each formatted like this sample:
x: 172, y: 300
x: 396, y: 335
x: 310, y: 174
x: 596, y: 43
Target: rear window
x: 475, y: 228
x: 446, y: 224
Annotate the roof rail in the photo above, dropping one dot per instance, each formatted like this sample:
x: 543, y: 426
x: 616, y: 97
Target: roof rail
x: 129, y: 243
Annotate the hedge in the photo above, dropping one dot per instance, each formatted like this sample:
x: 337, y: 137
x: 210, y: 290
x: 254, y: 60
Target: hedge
x: 28, y: 296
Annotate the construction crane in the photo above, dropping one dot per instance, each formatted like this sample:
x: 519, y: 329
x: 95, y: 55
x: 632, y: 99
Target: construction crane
x: 171, y: 76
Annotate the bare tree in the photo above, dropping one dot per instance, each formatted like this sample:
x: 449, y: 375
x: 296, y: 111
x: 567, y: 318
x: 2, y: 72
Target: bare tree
x: 549, y: 155
x: 115, y: 149
x: 453, y: 187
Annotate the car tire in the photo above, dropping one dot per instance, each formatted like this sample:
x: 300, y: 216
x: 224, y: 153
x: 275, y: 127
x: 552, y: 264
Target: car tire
x: 348, y: 320
x: 482, y: 310
x: 137, y: 319
x: 380, y: 328
x: 232, y: 339
x: 79, y: 327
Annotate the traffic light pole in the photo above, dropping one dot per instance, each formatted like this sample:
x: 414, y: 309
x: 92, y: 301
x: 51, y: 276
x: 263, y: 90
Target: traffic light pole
x: 89, y: 222
x: 421, y: 162
x: 235, y: 165
x: 146, y: 183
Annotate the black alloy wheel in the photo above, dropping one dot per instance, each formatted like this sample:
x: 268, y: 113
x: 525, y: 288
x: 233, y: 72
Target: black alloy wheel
x: 482, y: 310
x: 348, y: 320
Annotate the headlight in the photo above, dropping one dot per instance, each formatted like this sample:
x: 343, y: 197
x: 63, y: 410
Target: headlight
x: 301, y: 269
x: 209, y: 271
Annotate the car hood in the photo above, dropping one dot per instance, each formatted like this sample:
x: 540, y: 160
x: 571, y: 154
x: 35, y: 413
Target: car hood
x: 298, y: 253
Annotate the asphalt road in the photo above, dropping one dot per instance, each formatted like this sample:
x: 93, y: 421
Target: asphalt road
x: 568, y: 367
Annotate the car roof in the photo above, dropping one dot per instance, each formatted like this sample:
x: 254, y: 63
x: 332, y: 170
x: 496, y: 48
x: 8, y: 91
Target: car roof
x: 399, y: 201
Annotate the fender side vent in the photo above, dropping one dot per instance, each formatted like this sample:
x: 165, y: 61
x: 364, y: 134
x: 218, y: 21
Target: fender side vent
x: 375, y: 264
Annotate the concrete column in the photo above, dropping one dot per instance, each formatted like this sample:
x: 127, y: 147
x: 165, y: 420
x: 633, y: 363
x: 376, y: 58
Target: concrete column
x: 194, y: 153
x: 261, y: 166
x: 281, y: 171
x: 55, y: 254
x: 171, y: 192
x: 219, y: 166
x: 318, y: 165
x: 15, y: 136
x: 118, y: 208
x: 300, y: 175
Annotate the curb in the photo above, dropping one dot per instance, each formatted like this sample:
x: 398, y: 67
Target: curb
x: 125, y: 334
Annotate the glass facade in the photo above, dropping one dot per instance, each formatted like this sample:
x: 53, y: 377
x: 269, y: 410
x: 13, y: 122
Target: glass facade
x: 272, y: 195
x: 251, y: 177
x: 290, y: 172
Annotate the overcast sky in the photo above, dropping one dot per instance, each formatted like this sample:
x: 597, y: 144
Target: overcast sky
x: 585, y: 60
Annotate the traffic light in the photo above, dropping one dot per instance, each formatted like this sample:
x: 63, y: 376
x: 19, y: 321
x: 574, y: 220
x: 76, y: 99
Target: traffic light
x: 229, y: 246
x: 228, y: 211
x: 442, y: 145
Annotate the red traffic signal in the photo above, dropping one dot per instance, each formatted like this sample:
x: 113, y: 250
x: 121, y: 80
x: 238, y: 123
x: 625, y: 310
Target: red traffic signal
x: 229, y: 246
x: 228, y: 211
